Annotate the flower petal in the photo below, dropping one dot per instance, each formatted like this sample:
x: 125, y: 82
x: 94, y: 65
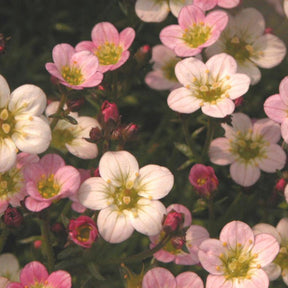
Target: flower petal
x: 113, y: 226
x: 155, y: 181
x: 275, y: 108
x: 219, y: 110
x: 282, y: 228
x: 8, y: 153
x: 148, y: 219
x: 104, y: 32
x: 188, y: 280
x: 118, y: 167
x: 151, y: 11
x: 158, y: 277
x: 244, y: 174
x: 59, y: 279
x: 33, y: 272
x: 219, y: 152
x: 4, y: 92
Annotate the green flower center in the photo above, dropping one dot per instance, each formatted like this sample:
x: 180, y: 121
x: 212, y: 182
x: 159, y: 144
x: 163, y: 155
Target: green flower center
x: 210, y: 90
x: 282, y: 258
x: 237, y: 263
x: 196, y: 35
x: 247, y: 149
x: 83, y: 232
x: 7, y: 123
x: 11, y: 182
x: 126, y: 196
x: 240, y: 49
x: 47, y: 187
x: 169, y: 69
x: 38, y: 285
x: 108, y: 53
x: 72, y: 75
x: 60, y: 137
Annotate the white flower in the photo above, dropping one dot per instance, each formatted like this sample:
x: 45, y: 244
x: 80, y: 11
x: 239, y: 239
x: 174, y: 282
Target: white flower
x: 249, y: 148
x: 21, y: 124
x: 157, y: 11
x: 71, y: 137
x: 127, y: 196
x: 285, y: 6
x: 9, y: 267
x: 244, y: 39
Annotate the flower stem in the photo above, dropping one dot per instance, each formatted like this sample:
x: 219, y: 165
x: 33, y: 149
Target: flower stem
x: 3, y: 237
x: 209, y: 137
x: 47, y: 245
x: 142, y: 255
x: 60, y: 107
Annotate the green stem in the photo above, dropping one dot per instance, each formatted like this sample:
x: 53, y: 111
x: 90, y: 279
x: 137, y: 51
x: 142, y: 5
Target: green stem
x: 47, y: 245
x: 209, y: 137
x: 60, y: 107
x: 211, y: 226
x: 3, y: 237
x: 188, y: 139
x: 142, y: 255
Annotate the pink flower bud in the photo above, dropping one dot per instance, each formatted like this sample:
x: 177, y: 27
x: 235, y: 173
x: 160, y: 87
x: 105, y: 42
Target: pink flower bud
x: 203, y: 179
x: 239, y: 101
x: 280, y: 185
x: 57, y: 227
x: 268, y: 30
x: 173, y: 221
x: 37, y: 244
x: 83, y: 231
x: 13, y: 217
x: 145, y: 49
x: 109, y: 111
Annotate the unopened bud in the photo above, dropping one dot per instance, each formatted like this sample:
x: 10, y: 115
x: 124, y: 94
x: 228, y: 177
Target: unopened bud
x: 280, y: 185
x: 13, y: 217
x: 110, y: 111
x: 173, y: 221
x: 95, y: 135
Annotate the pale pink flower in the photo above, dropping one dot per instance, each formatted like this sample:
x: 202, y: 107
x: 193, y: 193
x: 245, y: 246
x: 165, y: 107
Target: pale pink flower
x: 48, y: 180
x: 23, y: 126
x: 127, y: 196
x: 203, y: 179
x: 237, y: 259
x: 286, y: 193
x: 9, y: 267
x: 163, y: 76
x: 210, y: 4
x: 280, y: 264
x: 194, y: 32
x: 76, y: 70
x: 157, y: 11
x: 35, y: 274
x: 159, y: 277
x: 12, y: 183
x: 83, y: 231
x: 285, y: 7
x: 192, y: 238
x: 212, y: 86
x: 249, y: 148
x: 276, y: 107
x: 4, y: 282
x: 244, y: 38
x: 110, y: 46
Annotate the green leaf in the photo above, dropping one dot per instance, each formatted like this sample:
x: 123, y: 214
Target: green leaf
x: 94, y: 270
x: 183, y: 148
x: 185, y: 164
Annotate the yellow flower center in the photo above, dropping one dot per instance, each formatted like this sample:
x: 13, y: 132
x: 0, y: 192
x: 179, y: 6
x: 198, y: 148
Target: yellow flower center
x: 47, y: 187
x: 108, y: 53
x: 197, y: 34
x: 7, y: 123
x: 169, y: 69
x: 72, y: 75
x: 83, y: 232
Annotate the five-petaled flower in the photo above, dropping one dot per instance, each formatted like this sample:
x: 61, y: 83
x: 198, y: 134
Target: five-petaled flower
x: 127, y: 196
x: 212, y: 86
x: 110, y: 46
x: 238, y: 257
x: 21, y: 124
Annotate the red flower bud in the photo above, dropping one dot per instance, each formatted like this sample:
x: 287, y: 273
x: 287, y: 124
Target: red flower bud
x: 173, y: 221
x: 110, y: 111
x: 83, y: 231
x: 37, y: 244
x: 13, y: 217
x: 280, y: 185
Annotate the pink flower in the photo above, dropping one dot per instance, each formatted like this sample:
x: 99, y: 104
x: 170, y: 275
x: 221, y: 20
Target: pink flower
x: 212, y: 86
x: 76, y: 70
x: 182, y: 249
x: 237, y: 258
x: 12, y: 184
x: 276, y: 107
x: 203, y: 179
x: 83, y: 231
x: 210, y: 4
x: 110, y: 47
x: 249, y: 148
x: 159, y: 277
x: 34, y: 274
x: 194, y: 32
x: 48, y: 180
